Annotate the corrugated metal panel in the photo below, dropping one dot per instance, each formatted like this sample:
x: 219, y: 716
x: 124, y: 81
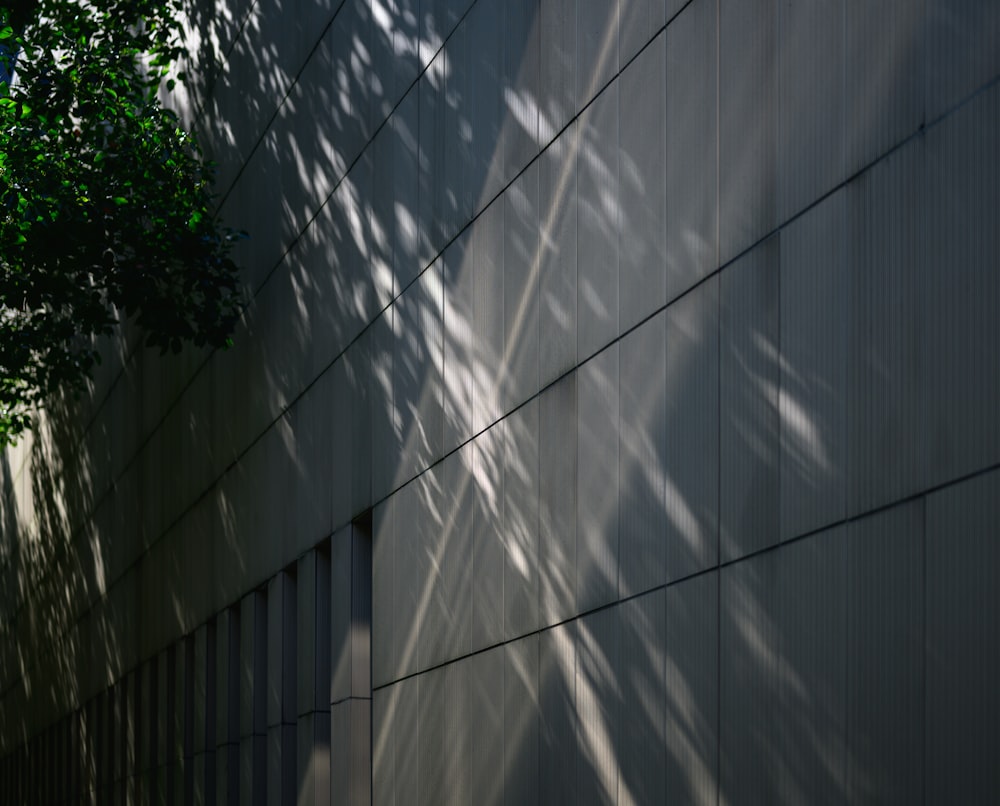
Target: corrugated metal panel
x: 520, y: 290
x: 597, y: 480
x: 487, y: 547
x: 962, y: 52
x: 692, y: 426
x: 963, y: 642
x: 557, y: 483
x: 383, y: 573
x: 811, y: 629
x: 410, y: 574
x: 598, y: 706
x: 815, y: 321
x: 557, y: 66
x: 748, y: 399
x: 520, y: 85
x: 486, y: 52
x: 557, y: 286
x: 749, y: 693
x: 451, y: 560
x: 885, y: 657
x: 458, y: 732
x: 886, y: 367
x: 405, y: 180
x: 811, y: 103
x: 488, y: 243
x: 405, y: 731
x: 640, y: 21
x: 885, y: 75
x: 748, y: 123
x: 692, y: 137
x: 313, y: 759
x: 417, y: 370
x: 521, y: 722
x: 596, y: 47
x: 431, y: 212
x: 641, y: 675
x: 559, y: 755
x: 520, y: 522
x: 486, y: 713
x: 960, y: 315
x: 459, y: 363
x: 430, y: 749
x: 643, y: 188
x: 385, y: 703
x: 598, y: 234
x: 642, y: 457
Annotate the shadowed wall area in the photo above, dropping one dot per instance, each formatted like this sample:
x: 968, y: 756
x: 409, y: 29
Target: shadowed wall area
x: 614, y: 420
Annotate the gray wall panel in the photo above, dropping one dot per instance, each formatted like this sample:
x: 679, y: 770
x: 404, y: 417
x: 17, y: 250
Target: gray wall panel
x: 643, y: 180
x: 811, y: 629
x: 520, y: 290
x: 557, y: 66
x: 557, y: 283
x: 521, y: 84
x: 558, y: 753
x: 814, y: 326
x: 446, y: 633
x: 459, y: 360
x: 385, y: 702
x: 748, y: 123
x: 313, y: 759
x: 486, y: 59
x: 961, y: 51
x: 383, y: 573
x: 520, y: 522
x: 963, y: 642
x: 596, y: 47
x: 749, y: 691
x: 597, y: 481
x: 962, y: 306
x: 434, y: 221
x: 350, y: 748
x: 487, y: 546
x: 486, y: 752
x: 410, y: 575
x: 692, y: 151
x: 885, y: 680
x: 598, y: 706
x: 417, y: 371
x: 642, y: 457
x: 557, y: 506
x: 458, y: 732
x: 430, y: 750
x: 692, y: 426
x: 885, y: 77
x: 640, y: 20
x: 887, y: 366
x: 521, y: 722
x: 406, y: 734
x: 641, y: 675
x: 691, y: 645
x: 811, y: 103
x: 599, y: 222
x: 487, y: 245
x: 749, y: 373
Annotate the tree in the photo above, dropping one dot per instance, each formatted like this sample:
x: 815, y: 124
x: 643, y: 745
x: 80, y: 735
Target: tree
x: 106, y: 206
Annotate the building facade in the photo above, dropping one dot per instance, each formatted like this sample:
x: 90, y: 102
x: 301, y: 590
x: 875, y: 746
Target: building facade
x: 613, y: 420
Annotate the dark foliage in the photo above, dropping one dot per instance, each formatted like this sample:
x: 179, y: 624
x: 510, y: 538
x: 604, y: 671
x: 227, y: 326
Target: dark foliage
x: 106, y: 207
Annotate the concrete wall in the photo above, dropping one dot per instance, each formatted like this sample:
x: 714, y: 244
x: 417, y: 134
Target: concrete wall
x: 614, y: 420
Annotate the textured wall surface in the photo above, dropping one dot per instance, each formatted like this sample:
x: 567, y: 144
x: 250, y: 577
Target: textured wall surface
x: 613, y: 420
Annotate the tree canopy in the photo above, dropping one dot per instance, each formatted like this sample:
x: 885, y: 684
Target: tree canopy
x: 106, y: 204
